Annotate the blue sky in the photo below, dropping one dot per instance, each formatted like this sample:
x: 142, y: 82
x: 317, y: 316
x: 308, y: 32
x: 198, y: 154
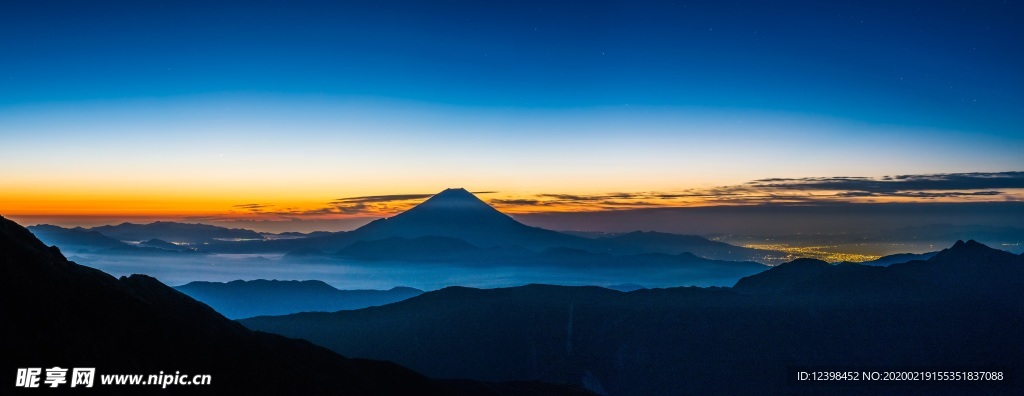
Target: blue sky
x: 939, y: 64
x: 294, y: 103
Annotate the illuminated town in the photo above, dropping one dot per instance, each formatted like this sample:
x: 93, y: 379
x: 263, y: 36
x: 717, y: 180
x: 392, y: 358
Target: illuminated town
x: 815, y: 252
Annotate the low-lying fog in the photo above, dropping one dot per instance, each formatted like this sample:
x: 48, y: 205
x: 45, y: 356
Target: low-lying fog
x: 344, y: 274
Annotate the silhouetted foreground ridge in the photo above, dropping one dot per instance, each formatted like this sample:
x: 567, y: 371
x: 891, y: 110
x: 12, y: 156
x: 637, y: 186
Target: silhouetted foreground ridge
x: 58, y: 313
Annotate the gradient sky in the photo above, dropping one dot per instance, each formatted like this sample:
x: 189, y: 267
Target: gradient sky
x: 274, y: 109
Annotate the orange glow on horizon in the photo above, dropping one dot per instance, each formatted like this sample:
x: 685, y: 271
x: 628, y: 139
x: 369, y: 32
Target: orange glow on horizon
x: 184, y: 205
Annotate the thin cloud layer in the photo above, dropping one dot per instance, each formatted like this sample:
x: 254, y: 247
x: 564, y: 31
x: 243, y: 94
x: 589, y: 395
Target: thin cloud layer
x: 382, y: 198
x: 900, y: 183
x: 944, y: 187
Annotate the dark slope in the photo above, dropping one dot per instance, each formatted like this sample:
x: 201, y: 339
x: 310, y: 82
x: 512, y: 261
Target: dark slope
x: 699, y: 341
x: 785, y: 277
x: 424, y: 248
x: 58, y: 313
x: 244, y: 299
x: 500, y: 326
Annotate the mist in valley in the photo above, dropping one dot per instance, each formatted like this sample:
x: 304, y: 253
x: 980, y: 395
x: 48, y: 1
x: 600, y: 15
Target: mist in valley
x: 353, y: 275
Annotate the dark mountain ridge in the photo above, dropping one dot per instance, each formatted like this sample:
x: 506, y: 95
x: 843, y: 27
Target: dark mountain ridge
x: 806, y: 313
x: 969, y: 267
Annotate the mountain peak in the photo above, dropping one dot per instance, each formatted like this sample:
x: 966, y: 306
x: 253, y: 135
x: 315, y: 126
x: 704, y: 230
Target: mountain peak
x: 458, y: 213
x: 971, y: 246
x: 455, y: 198
x: 970, y: 252
x: 454, y: 205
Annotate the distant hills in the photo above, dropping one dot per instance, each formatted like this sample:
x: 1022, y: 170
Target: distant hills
x: 959, y: 309
x: 82, y: 240
x: 175, y: 232
x: 243, y: 299
x: 76, y: 239
x: 122, y: 238
x: 453, y: 227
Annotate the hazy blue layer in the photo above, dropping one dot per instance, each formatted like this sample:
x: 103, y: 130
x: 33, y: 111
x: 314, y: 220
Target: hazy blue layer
x: 383, y: 275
